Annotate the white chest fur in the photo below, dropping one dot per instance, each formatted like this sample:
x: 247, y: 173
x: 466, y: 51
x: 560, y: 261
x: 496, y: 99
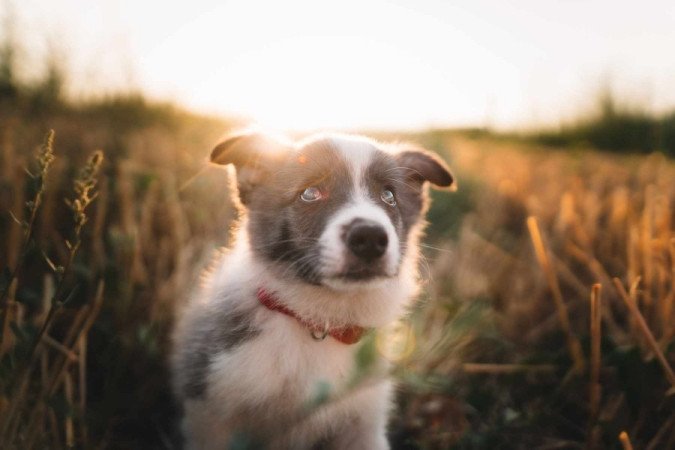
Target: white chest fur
x: 283, y: 361
x: 291, y: 387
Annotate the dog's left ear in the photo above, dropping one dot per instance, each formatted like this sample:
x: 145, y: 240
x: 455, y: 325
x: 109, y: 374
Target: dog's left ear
x: 254, y: 156
x: 422, y: 166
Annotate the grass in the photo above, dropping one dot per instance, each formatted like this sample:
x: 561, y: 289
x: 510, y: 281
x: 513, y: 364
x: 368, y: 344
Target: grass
x: 123, y: 258
x: 512, y: 356
x: 505, y: 355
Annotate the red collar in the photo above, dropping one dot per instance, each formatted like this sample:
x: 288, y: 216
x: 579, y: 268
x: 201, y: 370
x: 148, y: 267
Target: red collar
x: 347, y: 335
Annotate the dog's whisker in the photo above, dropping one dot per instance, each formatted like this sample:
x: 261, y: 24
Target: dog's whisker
x: 283, y: 256
x: 299, y: 263
x: 408, y: 169
x: 428, y: 272
x: 394, y: 180
x: 438, y: 249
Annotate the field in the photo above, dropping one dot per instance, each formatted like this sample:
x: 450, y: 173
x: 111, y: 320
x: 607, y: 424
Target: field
x: 514, y: 347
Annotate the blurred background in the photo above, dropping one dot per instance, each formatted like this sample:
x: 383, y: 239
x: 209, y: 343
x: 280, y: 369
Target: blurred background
x: 557, y: 117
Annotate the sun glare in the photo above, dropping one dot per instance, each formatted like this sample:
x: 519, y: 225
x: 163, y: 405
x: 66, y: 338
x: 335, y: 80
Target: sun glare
x: 346, y: 67
x: 397, y: 64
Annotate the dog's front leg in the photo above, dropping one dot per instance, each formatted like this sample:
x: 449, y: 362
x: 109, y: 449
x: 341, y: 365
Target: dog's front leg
x: 366, y: 428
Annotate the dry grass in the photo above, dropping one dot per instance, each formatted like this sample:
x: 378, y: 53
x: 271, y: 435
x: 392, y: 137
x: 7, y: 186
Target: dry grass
x: 510, y: 352
x: 546, y: 231
x: 89, y: 284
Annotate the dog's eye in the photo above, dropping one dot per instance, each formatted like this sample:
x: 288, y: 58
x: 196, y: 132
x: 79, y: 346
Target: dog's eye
x: 311, y: 194
x: 388, y: 197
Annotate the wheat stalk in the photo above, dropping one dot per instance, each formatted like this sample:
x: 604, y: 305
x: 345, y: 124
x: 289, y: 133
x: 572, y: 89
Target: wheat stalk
x: 596, y: 335
x: 646, y: 333
x: 44, y: 159
x: 625, y: 441
x: 573, y: 345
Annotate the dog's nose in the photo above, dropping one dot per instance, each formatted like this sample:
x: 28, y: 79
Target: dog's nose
x: 367, y: 240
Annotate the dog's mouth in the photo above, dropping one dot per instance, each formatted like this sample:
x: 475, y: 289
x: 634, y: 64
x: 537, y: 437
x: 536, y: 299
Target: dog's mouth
x: 356, y: 279
x: 361, y: 273
x: 353, y: 272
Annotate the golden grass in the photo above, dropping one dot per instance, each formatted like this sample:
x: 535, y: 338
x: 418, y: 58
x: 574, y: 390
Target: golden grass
x: 574, y: 347
x: 546, y: 230
x: 130, y: 224
x: 625, y: 441
x: 502, y: 343
x: 644, y: 330
x: 596, y: 336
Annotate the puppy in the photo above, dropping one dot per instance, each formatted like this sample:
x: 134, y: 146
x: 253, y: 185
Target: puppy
x: 267, y: 352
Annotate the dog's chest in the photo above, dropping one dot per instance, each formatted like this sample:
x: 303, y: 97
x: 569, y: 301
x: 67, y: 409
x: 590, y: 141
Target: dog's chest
x: 282, y: 369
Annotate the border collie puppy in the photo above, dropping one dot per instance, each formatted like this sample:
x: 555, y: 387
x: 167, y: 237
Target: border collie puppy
x: 266, y: 354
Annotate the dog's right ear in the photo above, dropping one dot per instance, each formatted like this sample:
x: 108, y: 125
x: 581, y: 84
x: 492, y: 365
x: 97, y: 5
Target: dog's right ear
x: 254, y: 155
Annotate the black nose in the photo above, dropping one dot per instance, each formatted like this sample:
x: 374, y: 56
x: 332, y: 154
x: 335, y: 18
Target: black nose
x: 367, y: 240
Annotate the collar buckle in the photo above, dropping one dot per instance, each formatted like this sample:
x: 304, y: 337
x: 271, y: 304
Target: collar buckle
x: 320, y: 335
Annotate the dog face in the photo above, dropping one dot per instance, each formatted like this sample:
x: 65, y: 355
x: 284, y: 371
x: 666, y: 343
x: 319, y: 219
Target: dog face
x: 331, y: 210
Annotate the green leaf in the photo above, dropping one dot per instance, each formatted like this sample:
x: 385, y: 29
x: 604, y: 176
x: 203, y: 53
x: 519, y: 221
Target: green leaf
x: 367, y: 354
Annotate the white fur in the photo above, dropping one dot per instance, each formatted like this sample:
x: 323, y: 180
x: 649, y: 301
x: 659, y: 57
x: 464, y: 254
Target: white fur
x: 357, y: 153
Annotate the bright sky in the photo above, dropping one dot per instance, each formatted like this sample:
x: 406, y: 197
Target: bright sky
x: 366, y: 64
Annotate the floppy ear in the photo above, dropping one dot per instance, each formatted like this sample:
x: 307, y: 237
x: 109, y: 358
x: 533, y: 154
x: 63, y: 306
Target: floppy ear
x: 254, y: 156
x: 421, y: 166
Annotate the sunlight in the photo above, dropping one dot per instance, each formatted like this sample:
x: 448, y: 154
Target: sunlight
x: 338, y: 70
x: 397, y: 64
x: 396, y: 341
